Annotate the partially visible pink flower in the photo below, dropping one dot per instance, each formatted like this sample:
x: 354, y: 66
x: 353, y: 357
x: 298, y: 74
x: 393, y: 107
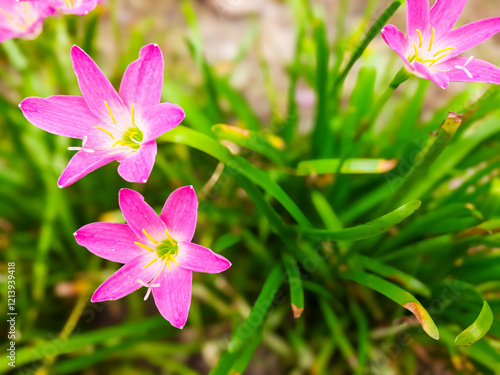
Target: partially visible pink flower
x: 79, y: 7
x: 157, y: 252
x: 22, y: 19
x: 112, y: 126
x: 431, y: 47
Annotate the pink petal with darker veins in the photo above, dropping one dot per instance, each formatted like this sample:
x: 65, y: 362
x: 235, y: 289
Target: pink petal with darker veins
x: 111, y: 241
x: 82, y: 163
x: 64, y: 115
x: 160, y: 119
x: 97, y: 90
x: 200, y: 259
x: 180, y: 213
x: 136, y: 166
x: 445, y: 14
x: 470, y: 35
x: 140, y: 215
x: 439, y: 78
x: 125, y: 280
x: 417, y: 17
x: 173, y: 296
x: 463, y: 69
x: 142, y: 82
x: 396, y: 40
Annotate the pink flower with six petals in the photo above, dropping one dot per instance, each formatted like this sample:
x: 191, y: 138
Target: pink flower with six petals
x: 157, y: 252
x: 431, y: 47
x: 22, y: 19
x: 112, y: 126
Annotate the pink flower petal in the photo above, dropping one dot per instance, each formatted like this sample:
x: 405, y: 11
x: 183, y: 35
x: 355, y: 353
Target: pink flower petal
x: 439, y: 78
x: 470, y: 35
x: 85, y: 8
x: 111, y: 241
x: 124, y: 281
x: 137, y: 166
x: 479, y: 70
x: 160, y: 119
x: 173, y: 296
x: 445, y: 14
x: 140, y: 215
x: 66, y: 115
x: 417, y: 17
x: 82, y: 163
x: 180, y: 213
x: 97, y: 90
x: 396, y: 40
x: 200, y: 259
x: 142, y: 82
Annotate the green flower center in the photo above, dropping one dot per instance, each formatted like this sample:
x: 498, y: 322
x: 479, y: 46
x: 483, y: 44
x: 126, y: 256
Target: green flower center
x: 166, y: 250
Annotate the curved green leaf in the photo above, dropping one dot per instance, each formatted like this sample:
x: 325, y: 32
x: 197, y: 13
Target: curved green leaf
x: 370, y: 229
x: 478, y: 329
x: 399, y: 296
x: 349, y: 166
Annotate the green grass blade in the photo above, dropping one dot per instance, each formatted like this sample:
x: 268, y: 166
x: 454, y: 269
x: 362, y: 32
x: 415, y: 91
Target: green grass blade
x: 259, y: 311
x: 295, y: 281
x: 370, y: 35
x: 399, y: 296
x: 349, y: 166
x: 478, y: 329
x: 390, y: 272
x: 370, y: 229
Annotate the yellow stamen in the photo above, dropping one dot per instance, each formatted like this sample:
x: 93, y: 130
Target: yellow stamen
x: 419, y: 38
x: 439, y: 58
x: 105, y: 131
x: 150, y: 238
x: 110, y: 113
x: 7, y: 15
x: 416, y: 51
x: 144, y: 246
x: 150, y: 263
x: 170, y: 238
x: 443, y: 50
x: 173, y: 258
x: 120, y: 142
x: 432, y: 38
x: 133, y: 114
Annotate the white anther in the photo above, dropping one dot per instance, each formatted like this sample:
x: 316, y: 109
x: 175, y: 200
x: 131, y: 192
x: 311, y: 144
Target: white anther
x: 149, y: 286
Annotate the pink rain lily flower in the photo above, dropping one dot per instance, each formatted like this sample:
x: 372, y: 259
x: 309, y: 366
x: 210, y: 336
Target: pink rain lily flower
x: 79, y: 7
x: 431, y: 47
x: 157, y: 252
x: 112, y: 126
x: 22, y: 19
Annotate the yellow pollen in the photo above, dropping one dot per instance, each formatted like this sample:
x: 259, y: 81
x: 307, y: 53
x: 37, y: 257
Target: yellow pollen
x: 150, y: 263
x: 144, y: 246
x: 133, y: 114
x: 416, y: 51
x: 443, y: 50
x: 110, y: 113
x: 105, y: 131
x: 419, y: 38
x: 120, y: 142
x: 150, y: 238
x: 432, y: 38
